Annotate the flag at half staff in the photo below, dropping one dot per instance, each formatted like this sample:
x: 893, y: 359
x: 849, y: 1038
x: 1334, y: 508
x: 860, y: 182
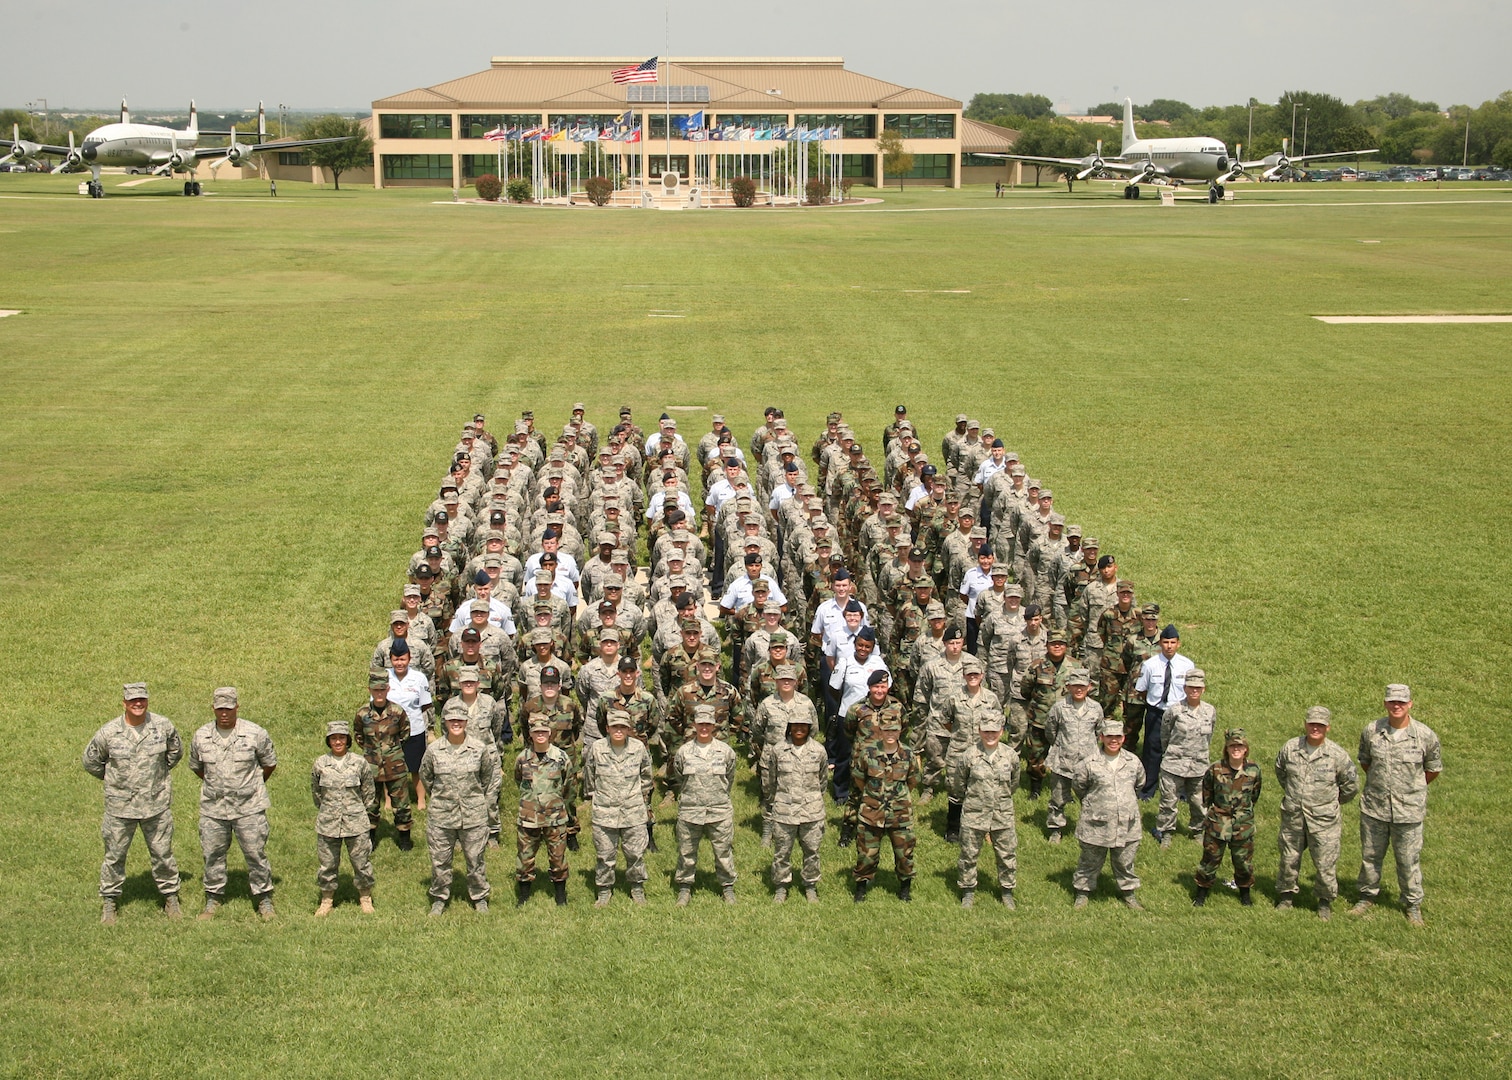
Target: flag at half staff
x: 641, y: 73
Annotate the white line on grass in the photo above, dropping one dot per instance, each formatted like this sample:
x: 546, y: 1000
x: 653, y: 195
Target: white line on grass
x: 6, y: 313
x: 1110, y: 205
x: 1351, y: 319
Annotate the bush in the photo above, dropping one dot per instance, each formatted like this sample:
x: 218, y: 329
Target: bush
x: 519, y: 190
x: 488, y: 186
x: 743, y: 191
x: 846, y: 185
x: 599, y: 189
x: 816, y: 191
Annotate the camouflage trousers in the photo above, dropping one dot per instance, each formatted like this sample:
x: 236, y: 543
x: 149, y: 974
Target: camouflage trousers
x: 251, y: 836
x: 1133, y: 721
x: 809, y: 836
x: 1036, y: 749
x: 869, y: 849
x: 528, y: 843
x: 1089, y: 866
x: 934, y: 753
x: 1406, y: 839
x: 721, y: 836
x: 398, y: 793
x: 1004, y: 847
x: 1060, y: 795
x: 605, y: 843
x: 1241, y: 849
x: 157, y: 834
x: 442, y: 843
x: 1175, y: 790
x: 1295, y: 838
x: 1110, y: 684
x: 328, y: 858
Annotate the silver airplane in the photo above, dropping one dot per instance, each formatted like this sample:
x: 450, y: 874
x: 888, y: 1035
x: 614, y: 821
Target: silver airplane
x: 1173, y: 161
x: 163, y: 150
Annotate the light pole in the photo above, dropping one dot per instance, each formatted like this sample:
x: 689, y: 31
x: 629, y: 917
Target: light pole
x: 1305, y: 114
x: 1250, y: 141
x: 46, y: 117
x: 1294, y: 124
x: 282, y: 109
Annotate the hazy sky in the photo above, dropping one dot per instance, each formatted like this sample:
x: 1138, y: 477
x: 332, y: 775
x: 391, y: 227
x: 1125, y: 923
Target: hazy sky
x: 340, y: 53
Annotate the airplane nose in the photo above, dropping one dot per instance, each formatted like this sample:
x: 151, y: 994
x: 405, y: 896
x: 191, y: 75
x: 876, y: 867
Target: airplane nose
x: 1223, y: 164
x: 89, y: 152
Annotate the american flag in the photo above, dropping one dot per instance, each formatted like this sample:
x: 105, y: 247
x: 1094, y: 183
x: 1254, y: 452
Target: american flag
x: 643, y: 73
x: 496, y: 135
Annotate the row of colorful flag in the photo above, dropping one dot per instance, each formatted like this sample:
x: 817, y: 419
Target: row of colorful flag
x: 632, y: 133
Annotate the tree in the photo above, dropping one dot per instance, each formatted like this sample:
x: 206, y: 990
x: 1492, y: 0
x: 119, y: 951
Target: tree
x: 989, y: 107
x: 355, y: 153
x: 1392, y: 107
x: 11, y: 117
x: 896, y: 161
x: 1052, y: 138
x: 1164, y: 109
x: 1501, y: 154
x: 1318, y: 117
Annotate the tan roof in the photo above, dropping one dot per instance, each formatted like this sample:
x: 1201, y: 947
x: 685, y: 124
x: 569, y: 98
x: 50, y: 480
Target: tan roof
x: 573, y: 84
x: 980, y: 138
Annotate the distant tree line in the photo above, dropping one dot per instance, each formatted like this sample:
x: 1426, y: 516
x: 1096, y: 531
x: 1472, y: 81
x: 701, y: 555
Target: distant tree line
x: 1405, y: 130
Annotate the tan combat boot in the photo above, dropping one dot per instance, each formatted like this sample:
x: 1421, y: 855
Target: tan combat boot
x: 327, y: 901
x: 365, y: 900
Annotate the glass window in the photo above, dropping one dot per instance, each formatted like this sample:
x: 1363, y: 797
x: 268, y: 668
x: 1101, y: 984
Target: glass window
x: 475, y: 125
x: 852, y: 125
x: 597, y: 121
x: 861, y: 166
x: 659, y: 164
x: 415, y: 126
x: 921, y: 125
x: 931, y: 167
x: 299, y: 157
x: 417, y: 166
x: 476, y: 165
x: 751, y: 120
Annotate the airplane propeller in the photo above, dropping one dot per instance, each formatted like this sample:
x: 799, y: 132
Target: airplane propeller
x: 1280, y: 165
x: 73, y: 159
x: 20, y: 150
x: 1094, y: 165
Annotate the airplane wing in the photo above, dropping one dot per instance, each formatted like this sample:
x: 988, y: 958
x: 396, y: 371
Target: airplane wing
x: 1118, y: 168
x: 1298, y: 158
x: 33, y: 149
x: 203, y: 152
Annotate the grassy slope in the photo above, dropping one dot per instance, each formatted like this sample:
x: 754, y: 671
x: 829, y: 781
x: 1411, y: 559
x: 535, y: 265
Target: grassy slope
x: 221, y: 420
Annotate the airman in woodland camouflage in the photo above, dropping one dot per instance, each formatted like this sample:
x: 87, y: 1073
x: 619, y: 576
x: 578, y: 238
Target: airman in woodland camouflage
x: 380, y: 730
x: 133, y: 754
x: 863, y: 722
x: 342, y: 786
x: 887, y: 773
x: 545, y: 775
x: 1316, y: 778
x: 1230, y: 791
x: 1044, y: 684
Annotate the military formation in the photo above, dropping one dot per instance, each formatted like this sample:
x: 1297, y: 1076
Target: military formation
x: 653, y: 613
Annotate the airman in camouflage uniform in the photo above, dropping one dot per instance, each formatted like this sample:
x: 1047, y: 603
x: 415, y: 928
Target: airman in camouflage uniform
x: 707, y: 688
x: 940, y: 681
x: 794, y: 774
x: 887, y: 774
x: 1316, y: 778
x: 774, y: 717
x: 1071, y: 729
x: 545, y: 775
x: 380, y: 729
x: 1230, y: 791
x: 133, y: 754
x: 617, y: 782
x: 233, y: 758
x: 342, y: 787
x: 1137, y: 649
x: 1086, y: 618
x: 647, y: 726
x: 982, y: 781
x: 863, y: 722
x: 1108, y: 826
x: 566, y: 719
x: 463, y: 779
x: 703, y: 771
x: 1044, y: 684
x: 1186, y: 732
x: 1117, y: 626
x: 962, y: 718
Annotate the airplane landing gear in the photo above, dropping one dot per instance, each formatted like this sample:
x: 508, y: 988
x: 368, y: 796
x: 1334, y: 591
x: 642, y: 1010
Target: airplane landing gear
x: 192, y: 187
x: 96, y: 190
x: 1215, y: 193
x: 1131, y: 191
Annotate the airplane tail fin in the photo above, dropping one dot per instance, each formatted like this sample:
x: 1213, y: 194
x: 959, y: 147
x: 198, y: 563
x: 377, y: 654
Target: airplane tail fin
x: 125, y: 112
x: 193, y: 129
x: 1129, y: 138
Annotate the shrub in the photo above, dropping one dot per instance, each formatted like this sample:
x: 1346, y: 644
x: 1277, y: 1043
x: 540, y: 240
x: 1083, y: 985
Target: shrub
x: 846, y: 185
x: 599, y: 189
x: 816, y: 191
x: 743, y: 191
x: 519, y: 190
x: 488, y: 186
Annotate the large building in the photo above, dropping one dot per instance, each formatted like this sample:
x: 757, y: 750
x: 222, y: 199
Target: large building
x: 434, y: 135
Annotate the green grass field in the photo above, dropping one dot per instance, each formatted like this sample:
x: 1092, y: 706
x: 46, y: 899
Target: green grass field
x: 223, y: 417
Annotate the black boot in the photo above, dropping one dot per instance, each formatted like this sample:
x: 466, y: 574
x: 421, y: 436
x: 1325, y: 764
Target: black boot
x: 1200, y: 896
x: 572, y: 843
x: 847, y: 834
x: 905, y: 890
x: 522, y: 892
x: 1244, y: 897
x: 953, y: 823
x: 861, y: 887
x: 559, y: 888
x: 1035, y: 783
x: 373, y: 838
x: 403, y: 841
x: 651, y: 836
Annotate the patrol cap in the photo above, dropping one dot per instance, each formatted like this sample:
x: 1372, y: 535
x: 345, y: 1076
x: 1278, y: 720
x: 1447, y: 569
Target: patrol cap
x: 707, y: 655
x: 954, y: 634
x: 687, y: 625
x: 878, y: 676
x: 468, y: 673
x: 1196, y: 677
x: 378, y: 679
x: 1110, y: 726
x: 1046, y: 493
x: 1124, y: 585
x: 411, y: 590
x: 1017, y: 470
x: 1079, y: 677
x: 970, y: 665
x: 771, y: 607
x: 1235, y: 736
x: 338, y: 727
x: 539, y: 723
x: 1150, y: 611
x: 551, y: 674
x: 613, y: 583
x: 890, y: 723
x: 991, y: 722
x: 577, y: 406
x: 478, y: 607
x: 1170, y: 633
x: 399, y: 615
x: 935, y: 610
x: 544, y: 577
x: 1090, y: 544
x: 1032, y: 483
x: 1013, y: 588
x: 137, y: 691
x: 1001, y: 570
x: 705, y: 714
x: 398, y: 647
x: 542, y: 635
x: 778, y: 639
x: 1073, y: 530
x: 1056, y: 519
x: 1056, y: 637
x: 1318, y: 714
x: 961, y: 418
x: 619, y: 718
x: 978, y: 533
x: 606, y: 538
x: 223, y: 698
x: 787, y: 671
x: 608, y: 634
x: 1398, y: 692
x: 621, y: 557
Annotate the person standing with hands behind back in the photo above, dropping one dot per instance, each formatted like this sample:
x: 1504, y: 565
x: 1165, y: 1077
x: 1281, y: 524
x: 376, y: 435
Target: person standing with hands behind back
x: 1230, y: 791
x: 234, y: 758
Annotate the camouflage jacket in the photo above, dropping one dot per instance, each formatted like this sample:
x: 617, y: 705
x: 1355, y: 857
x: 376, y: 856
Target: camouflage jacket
x: 983, y: 782
x: 463, y: 780
x: 1228, y: 800
x: 545, y: 782
x: 1137, y: 649
x: 938, y: 683
x: 773, y: 716
x: 492, y: 679
x: 1043, y: 685
x: 645, y: 713
x: 762, y: 683
x: 565, y: 717
x: 135, y: 770
x: 1071, y: 730
x: 963, y: 715
x: 1186, y: 735
x: 677, y: 667
x: 618, y: 782
x: 380, y: 735
x: 232, y: 770
x: 1108, y: 788
x: 1096, y: 598
x: 704, y: 776
x: 1116, y: 629
x: 793, y: 779
x: 886, y: 782
x: 1396, y: 764
x: 729, y: 709
x: 863, y: 720
x: 343, y: 790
